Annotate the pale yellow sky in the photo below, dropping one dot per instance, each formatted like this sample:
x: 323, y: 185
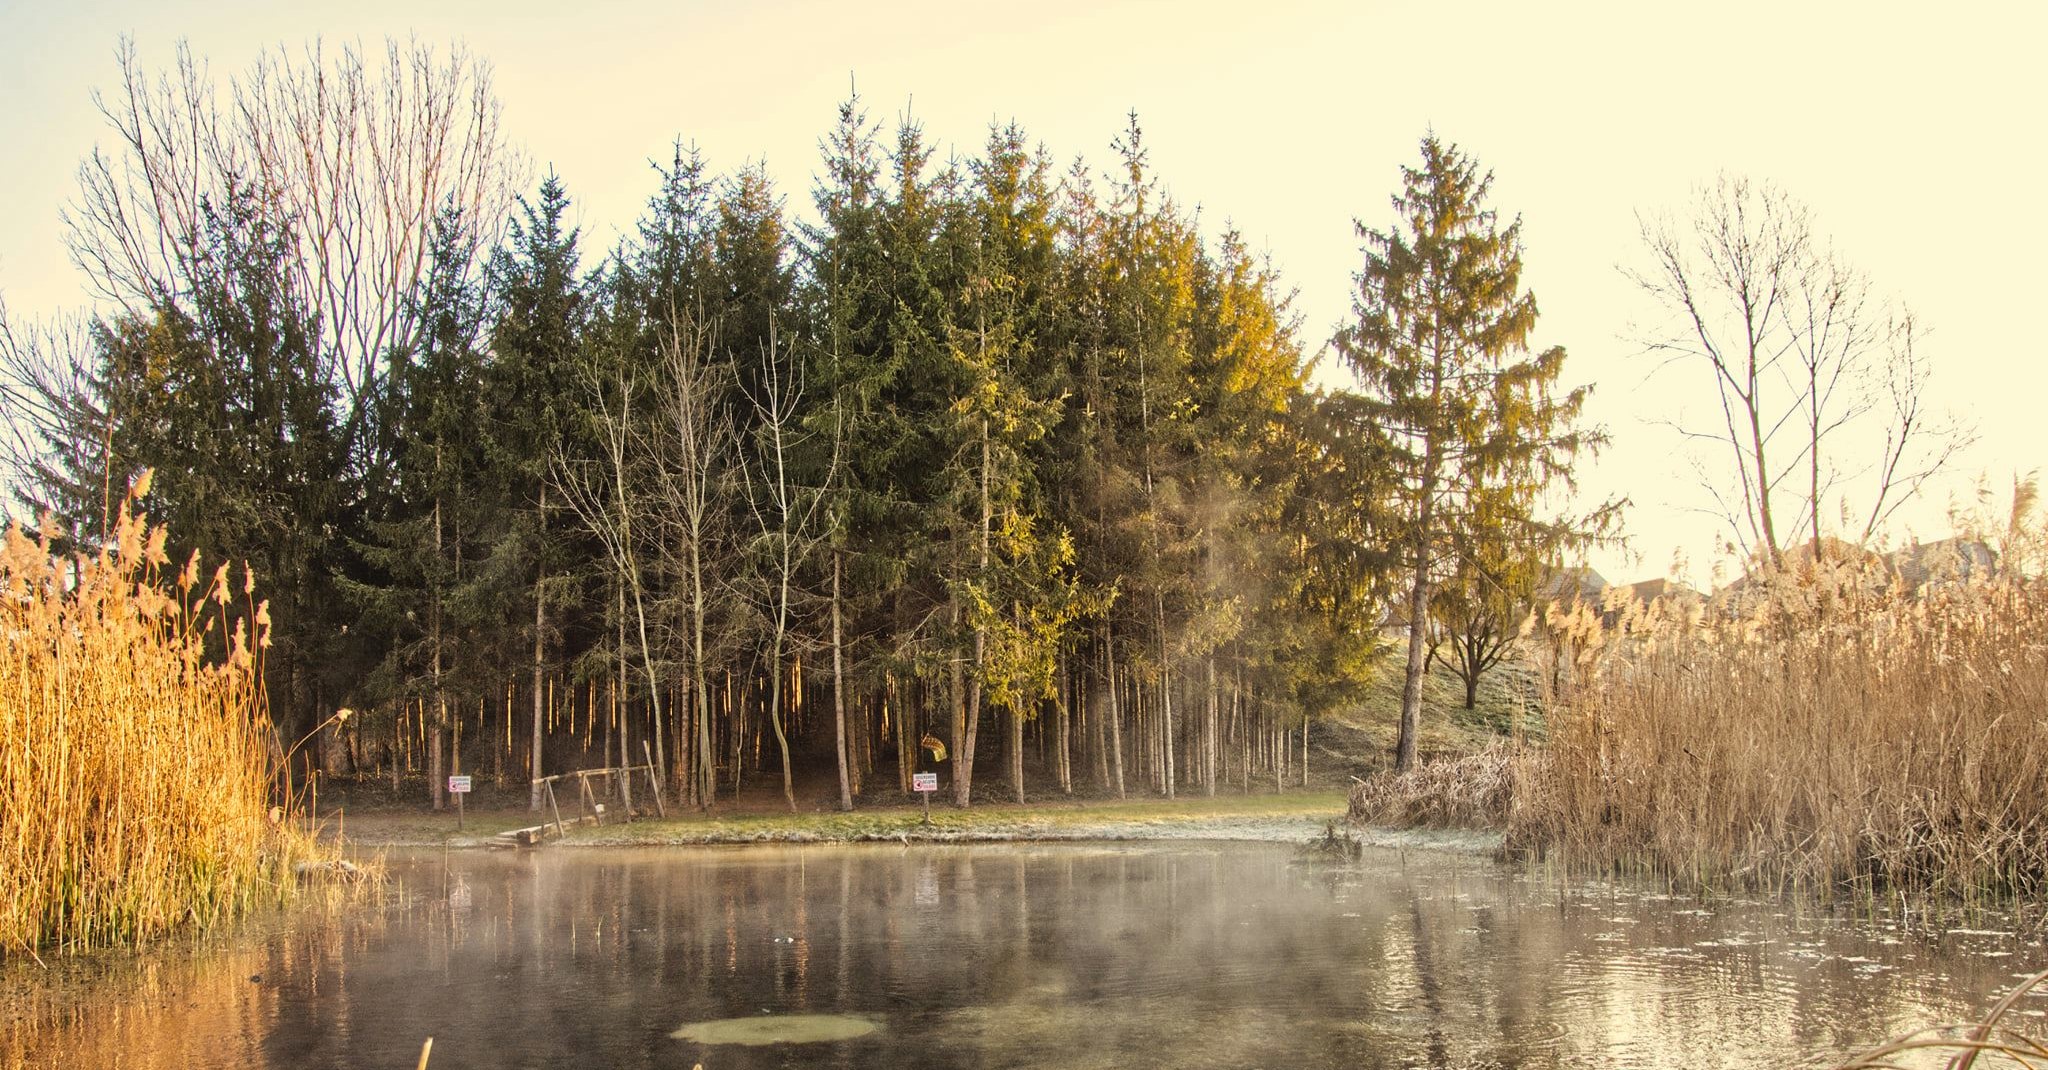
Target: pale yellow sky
x: 1913, y: 130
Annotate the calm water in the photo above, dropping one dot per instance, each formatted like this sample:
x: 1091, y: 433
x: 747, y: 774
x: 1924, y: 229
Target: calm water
x: 1067, y: 956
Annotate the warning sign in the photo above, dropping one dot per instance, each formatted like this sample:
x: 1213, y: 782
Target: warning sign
x: 924, y: 781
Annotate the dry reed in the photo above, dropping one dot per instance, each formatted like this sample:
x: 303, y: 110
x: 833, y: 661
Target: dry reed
x: 1828, y: 730
x: 134, y: 785
x: 1470, y: 791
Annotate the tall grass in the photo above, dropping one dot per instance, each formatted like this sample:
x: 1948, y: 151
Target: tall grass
x: 134, y: 792
x: 1832, y: 730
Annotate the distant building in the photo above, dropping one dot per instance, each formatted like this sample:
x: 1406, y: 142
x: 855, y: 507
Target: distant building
x: 1569, y: 585
x: 1671, y: 591
x: 1914, y: 568
x: 1927, y: 564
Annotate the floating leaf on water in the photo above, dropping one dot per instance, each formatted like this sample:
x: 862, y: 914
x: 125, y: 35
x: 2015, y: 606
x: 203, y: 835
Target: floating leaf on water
x: 777, y: 1029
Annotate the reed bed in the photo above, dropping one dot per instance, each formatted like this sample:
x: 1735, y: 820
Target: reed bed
x: 135, y: 796
x: 1468, y: 791
x: 1824, y: 729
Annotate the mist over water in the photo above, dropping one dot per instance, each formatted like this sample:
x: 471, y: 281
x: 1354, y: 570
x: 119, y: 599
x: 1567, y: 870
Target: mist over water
x: 1070, y: 956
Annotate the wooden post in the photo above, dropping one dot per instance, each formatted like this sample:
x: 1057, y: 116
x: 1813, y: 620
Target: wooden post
x: 653, y: 781
x: 549, y: 783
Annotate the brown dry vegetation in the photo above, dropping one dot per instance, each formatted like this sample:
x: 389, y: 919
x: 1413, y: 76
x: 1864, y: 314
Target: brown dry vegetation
x: 134, y: 792
x: 1470, y: 791
x: 1824, y: 729
x: 1829, y: 729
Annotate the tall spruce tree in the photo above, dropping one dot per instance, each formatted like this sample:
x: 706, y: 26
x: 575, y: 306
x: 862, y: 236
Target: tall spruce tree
x: 220, y: 392
x: 535, y: 345
x: 1472, y: 426
x: 436, y: 512
x: 841, y: 297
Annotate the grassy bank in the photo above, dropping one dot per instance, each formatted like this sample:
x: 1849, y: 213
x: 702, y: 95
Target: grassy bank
x: 1837, y: 733
x: 133, y: 783
x: 1280, y: 816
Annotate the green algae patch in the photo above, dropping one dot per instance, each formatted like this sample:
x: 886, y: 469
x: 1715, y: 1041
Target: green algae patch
x: 777, y: 1029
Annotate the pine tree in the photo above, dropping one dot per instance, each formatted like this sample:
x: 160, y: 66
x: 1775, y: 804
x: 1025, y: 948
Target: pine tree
x: 843, y: 302
x: 221, y: 394
x: 1016, y: 577
x: 1469, y: 423
x: 435, y: 513
x: 535, y: 346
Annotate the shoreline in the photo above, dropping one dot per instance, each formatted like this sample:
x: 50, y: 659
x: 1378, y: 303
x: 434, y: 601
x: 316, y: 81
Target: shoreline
x: 1297, y: 819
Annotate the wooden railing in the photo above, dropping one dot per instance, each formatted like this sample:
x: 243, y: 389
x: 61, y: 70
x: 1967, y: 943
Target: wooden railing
x: 617, y: 781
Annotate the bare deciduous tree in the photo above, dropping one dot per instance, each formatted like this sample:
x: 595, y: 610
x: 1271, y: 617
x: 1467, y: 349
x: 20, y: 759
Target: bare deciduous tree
x: 350, y: 157
x: 55, y: 428
x: 692, y: 449
x: 605, y: 495
x: 1810, y: 372
x: 789, y: 515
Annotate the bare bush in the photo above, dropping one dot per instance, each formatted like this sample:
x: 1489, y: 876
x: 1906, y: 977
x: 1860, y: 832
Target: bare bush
x: 1470, y: 791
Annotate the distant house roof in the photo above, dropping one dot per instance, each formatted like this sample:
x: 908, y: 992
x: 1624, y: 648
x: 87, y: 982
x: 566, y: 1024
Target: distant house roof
x: 1669, y: 590
x: 1916, y: 567
x: 1569, y: 585
x: 1942, y: 561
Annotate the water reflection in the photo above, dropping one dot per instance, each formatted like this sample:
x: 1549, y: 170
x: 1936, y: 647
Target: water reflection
x: 1066, y: 956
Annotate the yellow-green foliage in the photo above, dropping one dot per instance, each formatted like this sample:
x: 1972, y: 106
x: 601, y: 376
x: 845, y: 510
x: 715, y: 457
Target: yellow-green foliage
x: 133, y: 784
x: 1823, y: 728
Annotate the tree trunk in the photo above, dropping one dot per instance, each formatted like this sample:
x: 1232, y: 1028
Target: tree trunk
x: 775, y: 717
x: 540, y: 632
x: 1418, y: 617
x: 839, y: 693
x: 1209, y: 740
x: 1165, y: 696
x: 439, y: 785
x: 906, y: 754
x: 1017, y: 753
x: 1064, y: 756
x: 1099, y: 743
x: 619, y: 692
x: 1116, y: 722
x: 707, y: 762
x: 1411, y: 686
x: 963, y: 763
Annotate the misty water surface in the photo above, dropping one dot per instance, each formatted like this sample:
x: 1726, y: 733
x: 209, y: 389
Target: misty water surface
x: 1071, y: 956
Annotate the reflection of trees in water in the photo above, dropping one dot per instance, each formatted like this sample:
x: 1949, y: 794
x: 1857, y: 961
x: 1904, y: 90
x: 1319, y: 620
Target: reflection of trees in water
x: 1011, y: 955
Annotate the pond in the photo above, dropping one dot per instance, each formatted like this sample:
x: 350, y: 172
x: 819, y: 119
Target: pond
x: 1068, y: 956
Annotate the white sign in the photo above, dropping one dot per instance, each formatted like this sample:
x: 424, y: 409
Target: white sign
x: 924, y: 781
x: 458, y: 785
